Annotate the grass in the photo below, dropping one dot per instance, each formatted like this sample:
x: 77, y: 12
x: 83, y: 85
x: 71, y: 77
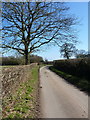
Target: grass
x: 22, y: 104
x: 41, y: 65
x: 82, y: 84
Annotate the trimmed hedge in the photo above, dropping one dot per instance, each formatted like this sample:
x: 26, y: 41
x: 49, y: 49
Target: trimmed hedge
x: 76, y: 67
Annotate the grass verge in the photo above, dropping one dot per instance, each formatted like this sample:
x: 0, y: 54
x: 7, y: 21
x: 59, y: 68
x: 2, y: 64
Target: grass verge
x: 22, y: 104
x: 80, y: 83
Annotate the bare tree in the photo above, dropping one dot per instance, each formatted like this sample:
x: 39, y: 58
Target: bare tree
x: 82, y: 54
x: 67, y: 50
x: 27, y: 26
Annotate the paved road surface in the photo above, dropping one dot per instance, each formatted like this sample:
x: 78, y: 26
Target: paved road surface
x: 58, y: 99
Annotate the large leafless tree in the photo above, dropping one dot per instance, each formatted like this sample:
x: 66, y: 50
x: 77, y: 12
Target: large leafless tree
x: 27, y: 26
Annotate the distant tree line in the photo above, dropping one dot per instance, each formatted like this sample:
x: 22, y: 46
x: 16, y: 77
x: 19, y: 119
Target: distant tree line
x: 82, y: 54
x: 11, y: 60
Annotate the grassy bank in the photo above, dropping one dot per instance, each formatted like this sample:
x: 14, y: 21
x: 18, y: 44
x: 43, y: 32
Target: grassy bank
x: 22, y: 104
x: 82, y: 84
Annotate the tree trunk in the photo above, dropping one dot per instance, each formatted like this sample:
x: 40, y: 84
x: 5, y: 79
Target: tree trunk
x: 67, y: 54
x: 26, y: 57
x: 67, y: 57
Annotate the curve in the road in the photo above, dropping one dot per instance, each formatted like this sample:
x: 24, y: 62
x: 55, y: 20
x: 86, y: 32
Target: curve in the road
x: 58, y: 99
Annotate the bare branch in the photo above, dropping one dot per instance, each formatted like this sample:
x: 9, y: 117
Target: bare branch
x: 29, y: 25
